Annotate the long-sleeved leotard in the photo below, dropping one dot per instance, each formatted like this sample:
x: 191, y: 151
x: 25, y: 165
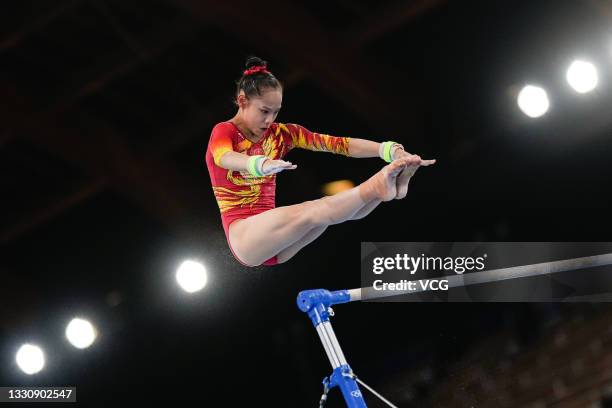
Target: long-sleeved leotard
x: 238, y: 193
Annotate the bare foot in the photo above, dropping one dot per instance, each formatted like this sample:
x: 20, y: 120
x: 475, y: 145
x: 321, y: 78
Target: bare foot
x: 382, y: 185
x: 403, y: 179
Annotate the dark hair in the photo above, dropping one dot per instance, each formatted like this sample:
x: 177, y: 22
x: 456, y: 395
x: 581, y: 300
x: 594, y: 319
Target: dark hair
x: 253, y: 84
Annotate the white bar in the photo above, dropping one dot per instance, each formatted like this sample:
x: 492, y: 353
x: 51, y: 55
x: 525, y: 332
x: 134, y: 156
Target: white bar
x: 355, y: 294
x: 494, y: 275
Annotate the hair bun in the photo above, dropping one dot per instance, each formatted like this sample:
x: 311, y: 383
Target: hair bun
x: 254, y: 62
x: 256, y: 79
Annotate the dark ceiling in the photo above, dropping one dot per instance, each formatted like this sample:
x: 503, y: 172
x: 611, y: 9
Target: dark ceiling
x: 107, y: 107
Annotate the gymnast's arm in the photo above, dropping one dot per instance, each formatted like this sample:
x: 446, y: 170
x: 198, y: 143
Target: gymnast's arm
x: 231, y: 160
x: 225, y: 157
x: 351, y: 147
x: 223, y: 153
x: 361, y: 148
x: 239, y: 162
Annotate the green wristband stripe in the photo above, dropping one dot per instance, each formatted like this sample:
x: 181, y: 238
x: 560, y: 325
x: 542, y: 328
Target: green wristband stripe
x: 387, y: 151
x: 252, y: 165
x: 258, y: 165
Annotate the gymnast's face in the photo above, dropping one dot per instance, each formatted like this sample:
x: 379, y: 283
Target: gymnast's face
x: 259, y: 112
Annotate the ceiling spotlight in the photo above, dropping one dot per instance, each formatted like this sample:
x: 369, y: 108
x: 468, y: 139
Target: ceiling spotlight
x: 533, y: 101
x: 80, y: 333
x: 191, y: 276
x: 582, y: 76
x: 30, y: 359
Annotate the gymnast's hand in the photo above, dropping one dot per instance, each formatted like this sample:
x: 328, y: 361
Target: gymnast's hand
x: 271, y: 166
x: 414, y: 160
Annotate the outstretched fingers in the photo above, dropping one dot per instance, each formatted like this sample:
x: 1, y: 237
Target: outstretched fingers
x: 416, y: 160
x: 276, y: 166
x: 428, y: 162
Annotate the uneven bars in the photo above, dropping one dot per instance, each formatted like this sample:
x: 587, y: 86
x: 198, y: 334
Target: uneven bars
x: 493, y: 275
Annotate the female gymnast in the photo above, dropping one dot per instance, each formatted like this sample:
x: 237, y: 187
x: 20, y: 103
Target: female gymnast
x: 245, y: 153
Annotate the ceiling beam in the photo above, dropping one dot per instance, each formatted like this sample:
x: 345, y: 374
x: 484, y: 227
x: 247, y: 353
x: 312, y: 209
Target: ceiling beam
x: 162, y: 144
x: 52, y: 209
x: 109, y: 68
x: 99, y: 150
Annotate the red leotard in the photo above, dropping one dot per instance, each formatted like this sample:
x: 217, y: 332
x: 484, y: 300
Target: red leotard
x: 238, y: 193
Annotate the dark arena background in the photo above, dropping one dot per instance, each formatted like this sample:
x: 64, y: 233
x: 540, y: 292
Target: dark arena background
x: 107, y: 109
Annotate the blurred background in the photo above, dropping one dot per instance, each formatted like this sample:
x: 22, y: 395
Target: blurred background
x: 107, y: 108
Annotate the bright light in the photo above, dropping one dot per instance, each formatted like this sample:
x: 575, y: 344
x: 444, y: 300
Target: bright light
x: 336, y: 187
x: 582, y: 76
x: 80, y: 333
x: 191, y: 276
x: 30, y: 359
x: 533, y: 101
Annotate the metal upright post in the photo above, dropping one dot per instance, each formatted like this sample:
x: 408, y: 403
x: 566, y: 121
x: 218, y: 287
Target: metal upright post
x: 317, y: 304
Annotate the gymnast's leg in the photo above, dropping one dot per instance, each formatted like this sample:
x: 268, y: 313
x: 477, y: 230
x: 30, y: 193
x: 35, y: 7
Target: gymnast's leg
x: 368, y: 208
x: 291, y: 250
x: 402, y: 189
x: 262, y: 236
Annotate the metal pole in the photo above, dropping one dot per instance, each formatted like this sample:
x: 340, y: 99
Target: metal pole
x: 316, y: 303
x: 493, y: 275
